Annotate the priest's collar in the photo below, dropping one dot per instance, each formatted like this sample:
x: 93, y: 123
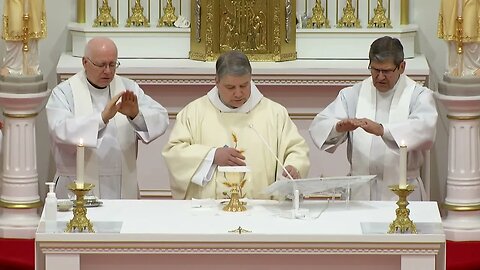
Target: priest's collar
x: 94, y: 85
x: 253, y: 100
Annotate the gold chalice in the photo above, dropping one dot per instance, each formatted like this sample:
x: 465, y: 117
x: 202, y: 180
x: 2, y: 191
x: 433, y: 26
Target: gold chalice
x: 235, y: 176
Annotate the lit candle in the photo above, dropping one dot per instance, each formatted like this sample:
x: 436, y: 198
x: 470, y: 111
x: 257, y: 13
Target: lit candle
x: 80, y: 162
x: 403, y: 166
x: 459, y: 8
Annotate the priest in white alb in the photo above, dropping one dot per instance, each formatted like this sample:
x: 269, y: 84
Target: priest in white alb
x: 233, y: 125
x: 107, y: 114
x: 377, y: 116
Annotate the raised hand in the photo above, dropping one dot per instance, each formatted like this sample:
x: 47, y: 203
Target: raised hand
x: 371, y: 127
x: 129, y: 104
x: 111, y: 108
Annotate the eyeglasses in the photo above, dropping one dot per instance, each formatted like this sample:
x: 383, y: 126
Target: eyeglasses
x: 386, y: 72
x: 113, y: 65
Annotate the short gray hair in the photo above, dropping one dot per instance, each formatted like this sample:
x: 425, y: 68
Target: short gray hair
x: 234, y: 63
x: 386, y: 48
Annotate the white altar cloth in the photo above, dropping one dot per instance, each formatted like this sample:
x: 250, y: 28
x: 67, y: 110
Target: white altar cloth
x: 171, y: 234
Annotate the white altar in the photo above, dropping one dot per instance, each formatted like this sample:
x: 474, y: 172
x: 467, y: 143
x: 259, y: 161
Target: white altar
x: 173, y: 234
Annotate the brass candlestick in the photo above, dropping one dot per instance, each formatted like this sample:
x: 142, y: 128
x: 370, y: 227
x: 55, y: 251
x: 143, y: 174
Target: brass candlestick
x: 380, y: 19
x: 402, y: 223
x: 80, y: 221
x: 349, y: 18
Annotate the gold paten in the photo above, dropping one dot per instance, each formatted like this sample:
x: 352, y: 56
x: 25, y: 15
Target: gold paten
x: 318, y: 19
x: 349, y: 18
x: 80, y: 221
x: 240, y: 230
x: 380, y: 19
x: 263, y: 29
x: 402, y: 223
x: 137, y: 18
x: 105, y: 17
x: 168, y: 17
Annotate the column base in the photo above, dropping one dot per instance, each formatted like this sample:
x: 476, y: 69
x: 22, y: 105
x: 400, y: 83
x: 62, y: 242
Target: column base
x: 462, y: 225
x: 18, y: 223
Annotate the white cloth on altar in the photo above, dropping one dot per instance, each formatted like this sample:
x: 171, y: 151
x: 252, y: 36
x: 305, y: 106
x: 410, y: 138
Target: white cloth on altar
x: 115, y: 165
x: 417, y: 132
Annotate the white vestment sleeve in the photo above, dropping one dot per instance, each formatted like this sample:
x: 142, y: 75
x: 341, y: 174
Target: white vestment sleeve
x: 322, y: 130
x: 204, y: 173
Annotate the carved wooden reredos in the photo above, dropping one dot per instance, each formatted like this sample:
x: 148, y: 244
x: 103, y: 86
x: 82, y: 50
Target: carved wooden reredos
x: 263, y: 29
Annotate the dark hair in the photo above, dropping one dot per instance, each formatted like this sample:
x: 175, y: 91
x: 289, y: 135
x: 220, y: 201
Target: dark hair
x: 233, y: 63
x: 386, y: 48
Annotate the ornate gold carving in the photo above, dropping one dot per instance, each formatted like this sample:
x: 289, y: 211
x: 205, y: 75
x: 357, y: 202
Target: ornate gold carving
x: 380, y: 19
x: 198, y: 20
x: 137, y: 18
x: 169, y: 16
x: 243, y: 25
x: 349, y: 18
x: 80, y: 221
x: 460, y: 37
x: 402, y: 222
x: 105, y: 17
x: 318, y: 19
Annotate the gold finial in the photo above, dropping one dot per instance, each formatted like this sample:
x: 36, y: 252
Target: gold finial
x: 137, y: 18
x: 349, y: 19
x: 318, y: 19
x: 380, y: 19
x: 168, y: 17
x: 105, y: 18
x: 25, y: 39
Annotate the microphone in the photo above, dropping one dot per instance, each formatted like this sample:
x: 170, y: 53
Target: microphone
x: 271, y: 151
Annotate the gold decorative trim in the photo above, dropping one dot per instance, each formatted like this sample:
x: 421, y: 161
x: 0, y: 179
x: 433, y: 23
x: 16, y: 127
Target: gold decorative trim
x: 11, y: 205
x: 473, y: 207
x: 463, y: 118
x: 16, y: 115
x: 404, y: 15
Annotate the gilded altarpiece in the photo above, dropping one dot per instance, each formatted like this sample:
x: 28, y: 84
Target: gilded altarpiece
x: 263, y: 29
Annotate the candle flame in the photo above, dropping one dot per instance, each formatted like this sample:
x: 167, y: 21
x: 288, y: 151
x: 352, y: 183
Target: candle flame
x: 81, y: 142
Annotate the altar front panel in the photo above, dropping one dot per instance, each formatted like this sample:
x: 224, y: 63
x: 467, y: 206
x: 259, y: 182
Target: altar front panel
x: 176, y: 234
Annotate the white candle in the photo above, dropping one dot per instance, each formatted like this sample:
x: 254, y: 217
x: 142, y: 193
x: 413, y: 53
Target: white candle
x: 80, y: 162
x: 403, y: 166
x: 459, y: 8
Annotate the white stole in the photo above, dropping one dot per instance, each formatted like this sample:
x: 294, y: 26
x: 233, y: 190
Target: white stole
x: 362, y: 141
x: 125, y: 136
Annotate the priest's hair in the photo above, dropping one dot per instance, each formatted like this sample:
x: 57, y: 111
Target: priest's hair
x: 234, y: 63
x: 386, y: 49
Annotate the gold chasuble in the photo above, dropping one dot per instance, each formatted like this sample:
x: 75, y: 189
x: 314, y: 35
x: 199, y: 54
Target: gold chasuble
x: 200, y: 127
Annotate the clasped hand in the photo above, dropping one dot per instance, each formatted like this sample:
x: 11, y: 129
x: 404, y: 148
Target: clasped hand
x: 354, y: 123
x: 128, y: 106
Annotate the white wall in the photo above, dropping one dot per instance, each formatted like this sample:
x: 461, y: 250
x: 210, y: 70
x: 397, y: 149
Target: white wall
x: 60, y: 12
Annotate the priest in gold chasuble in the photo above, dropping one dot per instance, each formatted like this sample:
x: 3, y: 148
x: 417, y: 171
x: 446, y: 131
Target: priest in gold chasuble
x: 233, y: 125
